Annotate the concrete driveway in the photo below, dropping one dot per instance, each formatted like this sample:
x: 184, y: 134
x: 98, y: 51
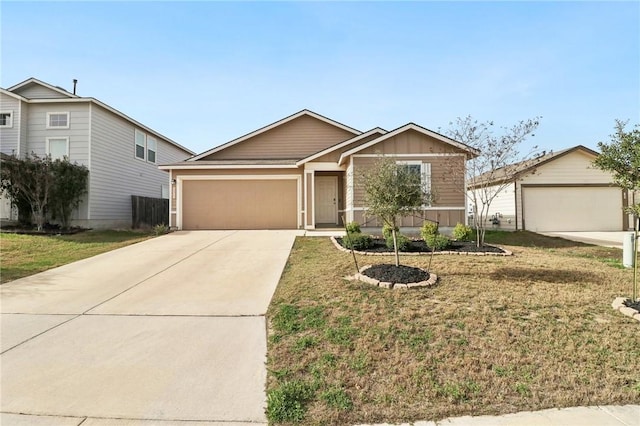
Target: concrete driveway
x: 171, y: 329
x: 605, y: 239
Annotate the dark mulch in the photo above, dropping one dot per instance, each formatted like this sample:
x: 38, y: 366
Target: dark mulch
x: 380, y: 246
x: 633, y: 305
x: 396, y: 274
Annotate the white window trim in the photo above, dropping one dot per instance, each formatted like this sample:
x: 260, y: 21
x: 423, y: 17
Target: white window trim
x: 155, y: 151
x: 425, y: 174
x: 10, y: 121
x: 135, y: 145
x: 48, y: 147
x: 48, y: 123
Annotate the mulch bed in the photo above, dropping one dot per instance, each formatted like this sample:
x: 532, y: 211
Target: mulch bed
x: 419, y: 246
x: 396, y: 274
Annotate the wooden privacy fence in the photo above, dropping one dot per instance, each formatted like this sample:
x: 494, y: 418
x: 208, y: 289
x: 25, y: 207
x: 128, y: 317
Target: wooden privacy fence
x: 147, y: 211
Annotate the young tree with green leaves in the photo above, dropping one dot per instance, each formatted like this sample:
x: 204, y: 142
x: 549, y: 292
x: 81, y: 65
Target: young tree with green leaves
x: 70, y: 185
x: 487, y: 174
x: 621, y: 157
x: 393, y: 191
x: 29, y: 179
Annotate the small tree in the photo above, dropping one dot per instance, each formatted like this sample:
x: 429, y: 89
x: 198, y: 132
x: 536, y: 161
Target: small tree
x: 621, y: 157
x: 28, y: 180
x: 489, y: 172
x: 392, y: 191
x: 70, y: 185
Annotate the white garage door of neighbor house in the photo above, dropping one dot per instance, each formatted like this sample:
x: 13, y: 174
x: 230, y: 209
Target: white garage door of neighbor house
x: 239, y: 204
x: 560, y: 209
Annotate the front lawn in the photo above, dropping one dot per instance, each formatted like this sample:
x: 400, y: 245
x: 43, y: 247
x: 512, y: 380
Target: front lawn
x: 24, y: 255
x: 496, y: 335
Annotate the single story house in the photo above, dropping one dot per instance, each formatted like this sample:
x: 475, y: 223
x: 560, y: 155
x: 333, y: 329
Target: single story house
x: 558, y: 191
x: 302, y: 172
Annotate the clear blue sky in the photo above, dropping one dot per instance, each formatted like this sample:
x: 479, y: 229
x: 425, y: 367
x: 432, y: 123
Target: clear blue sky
x: 203, y: 73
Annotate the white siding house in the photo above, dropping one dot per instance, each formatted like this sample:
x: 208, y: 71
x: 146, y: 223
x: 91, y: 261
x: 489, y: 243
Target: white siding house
x: 48, y: 120
x: 561, y: 191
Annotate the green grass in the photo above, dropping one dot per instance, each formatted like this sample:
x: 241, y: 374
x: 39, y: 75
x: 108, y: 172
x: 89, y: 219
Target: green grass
x: 24, y: 255
x: 496, y: 335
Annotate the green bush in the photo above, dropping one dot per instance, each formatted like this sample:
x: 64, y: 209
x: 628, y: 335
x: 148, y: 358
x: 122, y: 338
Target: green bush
x: 160, y: 229
x: 428, y: 229
x: 437, y: 241
x: 386, y: 231
x: 358, y: 241
x: 353, y: 228
x: 462, y: 232
x: 403, y: 242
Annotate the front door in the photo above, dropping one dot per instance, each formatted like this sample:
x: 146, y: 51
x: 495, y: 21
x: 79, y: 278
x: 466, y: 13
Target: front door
x: 326, y: 199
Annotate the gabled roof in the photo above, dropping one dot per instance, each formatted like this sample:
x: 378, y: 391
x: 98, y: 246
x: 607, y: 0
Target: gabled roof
x: 409, y: 126
x: 71, y: 98
x: 515, y: 170
x: 274, y: 125
x: 348, y: 142
x: 13, y: 95
x: 41, y: 83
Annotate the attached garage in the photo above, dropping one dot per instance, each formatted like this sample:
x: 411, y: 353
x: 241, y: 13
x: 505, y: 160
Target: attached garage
x: 228, y: 202
x: 549, y: 208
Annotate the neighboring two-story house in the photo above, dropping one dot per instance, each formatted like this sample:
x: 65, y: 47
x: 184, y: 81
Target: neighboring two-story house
x: 122, y: 155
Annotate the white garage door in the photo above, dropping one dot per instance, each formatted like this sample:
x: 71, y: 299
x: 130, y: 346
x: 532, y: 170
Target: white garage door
x: 240, y: 204
x: 548, y: 209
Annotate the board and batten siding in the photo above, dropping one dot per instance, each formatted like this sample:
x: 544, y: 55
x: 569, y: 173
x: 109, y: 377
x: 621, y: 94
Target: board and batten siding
x: 10, y: 136
x: 574, y: 168
x: 295, y: 139
x: 116, y: 174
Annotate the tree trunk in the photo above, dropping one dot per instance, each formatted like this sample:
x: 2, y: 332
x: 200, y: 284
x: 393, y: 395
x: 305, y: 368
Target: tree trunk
x: 395, y: 244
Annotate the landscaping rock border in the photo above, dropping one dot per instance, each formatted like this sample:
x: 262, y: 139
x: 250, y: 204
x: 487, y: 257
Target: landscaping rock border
x: 433, y: 279
x: 618, y: 305
x: 422, y: 253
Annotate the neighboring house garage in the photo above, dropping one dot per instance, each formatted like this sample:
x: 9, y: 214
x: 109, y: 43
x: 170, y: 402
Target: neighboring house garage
x: 572, y: 208
x: 560, y: 191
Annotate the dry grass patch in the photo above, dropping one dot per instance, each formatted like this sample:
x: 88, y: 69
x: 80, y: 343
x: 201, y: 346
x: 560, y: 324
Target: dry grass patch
x: 496, y: 335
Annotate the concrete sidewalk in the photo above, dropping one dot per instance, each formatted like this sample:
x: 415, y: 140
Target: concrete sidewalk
x: 626, y: 415
x: 166, y: 331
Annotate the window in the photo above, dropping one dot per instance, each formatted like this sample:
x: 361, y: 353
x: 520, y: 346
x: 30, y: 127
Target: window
x: 151, y: 149
x: 164, y: 191
x: 421, y: 169
x: 6, y: 118
x: 58, y: 148
x: 57, y: 120
x: 140, y: 144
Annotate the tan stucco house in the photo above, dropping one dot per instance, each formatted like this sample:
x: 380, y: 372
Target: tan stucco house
x: 301, y: 172
x: 559, y: 191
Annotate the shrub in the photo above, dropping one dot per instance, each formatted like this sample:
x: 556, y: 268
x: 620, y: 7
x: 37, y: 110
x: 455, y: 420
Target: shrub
x: 462, y: 232
x: 437, y: 241
x: 428, y: 229
x: 403, y: 242
x: 353, y: 228
x: 387, y: 233
x: 358, y: 241
x: 160, y: 229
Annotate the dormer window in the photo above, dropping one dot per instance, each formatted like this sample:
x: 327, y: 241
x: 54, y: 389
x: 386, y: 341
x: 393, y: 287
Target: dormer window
x: 57, y: 120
